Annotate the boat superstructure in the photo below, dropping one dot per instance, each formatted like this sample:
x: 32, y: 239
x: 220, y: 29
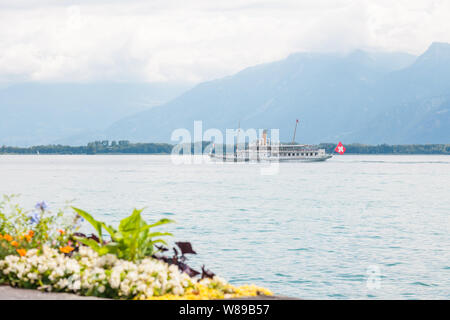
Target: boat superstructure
x: 264, y: 150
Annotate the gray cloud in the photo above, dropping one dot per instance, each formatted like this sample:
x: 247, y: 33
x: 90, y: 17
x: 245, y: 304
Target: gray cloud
x: 197, y: 40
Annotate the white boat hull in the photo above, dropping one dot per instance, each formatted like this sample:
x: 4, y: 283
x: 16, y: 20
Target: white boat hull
x: 225, y: 158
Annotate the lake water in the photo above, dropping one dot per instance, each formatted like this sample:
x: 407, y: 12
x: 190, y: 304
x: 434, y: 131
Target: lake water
x: 352, y: 227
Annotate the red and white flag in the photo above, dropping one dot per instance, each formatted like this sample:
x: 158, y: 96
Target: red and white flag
x: 340, y: 148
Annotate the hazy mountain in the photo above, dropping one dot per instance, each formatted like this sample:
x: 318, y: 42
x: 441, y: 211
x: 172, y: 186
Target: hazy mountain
x: 415, y: 102
x: 331, y: 94
x: 367, y: 97
x: 36, y: 113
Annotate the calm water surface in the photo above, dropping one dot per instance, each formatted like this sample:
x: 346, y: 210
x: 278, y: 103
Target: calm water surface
x: 351, y: 227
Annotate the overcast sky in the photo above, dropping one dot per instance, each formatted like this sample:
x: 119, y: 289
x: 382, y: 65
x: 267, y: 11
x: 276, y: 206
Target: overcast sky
x: 197, y: 40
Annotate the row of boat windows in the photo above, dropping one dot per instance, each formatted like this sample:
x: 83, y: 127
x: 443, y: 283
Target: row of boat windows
x: 289, y: 154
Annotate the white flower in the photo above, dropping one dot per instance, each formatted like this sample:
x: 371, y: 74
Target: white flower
x: 132, y: 276
x: 124, y: 288
x: 114, y: 281
x: 76, y: 285
x: 86, y: 270
x: 62, y: 283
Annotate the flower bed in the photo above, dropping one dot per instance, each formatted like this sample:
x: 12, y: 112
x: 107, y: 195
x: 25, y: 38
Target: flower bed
x: 71, y: 262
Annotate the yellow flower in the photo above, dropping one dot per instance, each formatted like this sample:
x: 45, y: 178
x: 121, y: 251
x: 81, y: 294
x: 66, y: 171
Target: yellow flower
x: 66, y: 249
x: 21, y: 252
x: 203, y: 292
x: 28, y: 238
x: 14, y: 244
x: 250, y: 291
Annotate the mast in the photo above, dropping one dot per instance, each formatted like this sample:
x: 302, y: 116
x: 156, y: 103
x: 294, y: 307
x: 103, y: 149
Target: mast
x: 237, y: 139
x: 295, y: 131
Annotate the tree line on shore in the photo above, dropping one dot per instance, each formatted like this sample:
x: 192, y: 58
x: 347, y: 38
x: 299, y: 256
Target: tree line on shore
x: 96, y: 147
x: 357, y: 148
x: 126, y: 147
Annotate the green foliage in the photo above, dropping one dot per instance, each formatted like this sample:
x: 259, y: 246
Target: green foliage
x: 124, y: 147
x: 23, y: 230
x: 356, y: 148
x: 131, y: 241
x: 97, y: 147
x: 13, y: 218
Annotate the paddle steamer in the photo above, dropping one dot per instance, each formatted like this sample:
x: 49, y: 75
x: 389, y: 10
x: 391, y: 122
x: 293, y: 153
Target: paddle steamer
x: 264, y: 150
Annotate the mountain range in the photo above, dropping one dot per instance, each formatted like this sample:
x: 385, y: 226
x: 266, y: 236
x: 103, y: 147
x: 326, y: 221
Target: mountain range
x: 362, y: 96
x: 366, y: 97
x: 44, y: 113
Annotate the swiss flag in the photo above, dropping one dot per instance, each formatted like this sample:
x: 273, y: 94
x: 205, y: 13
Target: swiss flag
x: 340, y: 148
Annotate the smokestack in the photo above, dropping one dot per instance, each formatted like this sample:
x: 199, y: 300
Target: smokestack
x: 265, y: 136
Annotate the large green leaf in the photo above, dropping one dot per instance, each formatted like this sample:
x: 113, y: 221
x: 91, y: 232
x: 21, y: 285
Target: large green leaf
x: 159, y: 223
x: 112, y: 232
x: 96, y: 224
x: 158, y: 241
x: 132, y: 222
x: 94, y: 245
x: 133, y: 239
x: 159, y: 234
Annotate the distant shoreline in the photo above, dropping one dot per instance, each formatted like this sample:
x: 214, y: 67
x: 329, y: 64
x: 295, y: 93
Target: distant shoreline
x: 126, y: 148
x: 398, y: 149
x: 84, y: 154
x: 168, y: 154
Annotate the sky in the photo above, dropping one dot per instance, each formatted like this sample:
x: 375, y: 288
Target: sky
x: 198, y: 40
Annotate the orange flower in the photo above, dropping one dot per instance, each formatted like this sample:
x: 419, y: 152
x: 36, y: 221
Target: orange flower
x: 31, y: 233
x: 14, y: 244
x: 61, y: 232
x: 7, y: 237
x: 22, y: 252
x: 28, y: 238
x: 66, y: 249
